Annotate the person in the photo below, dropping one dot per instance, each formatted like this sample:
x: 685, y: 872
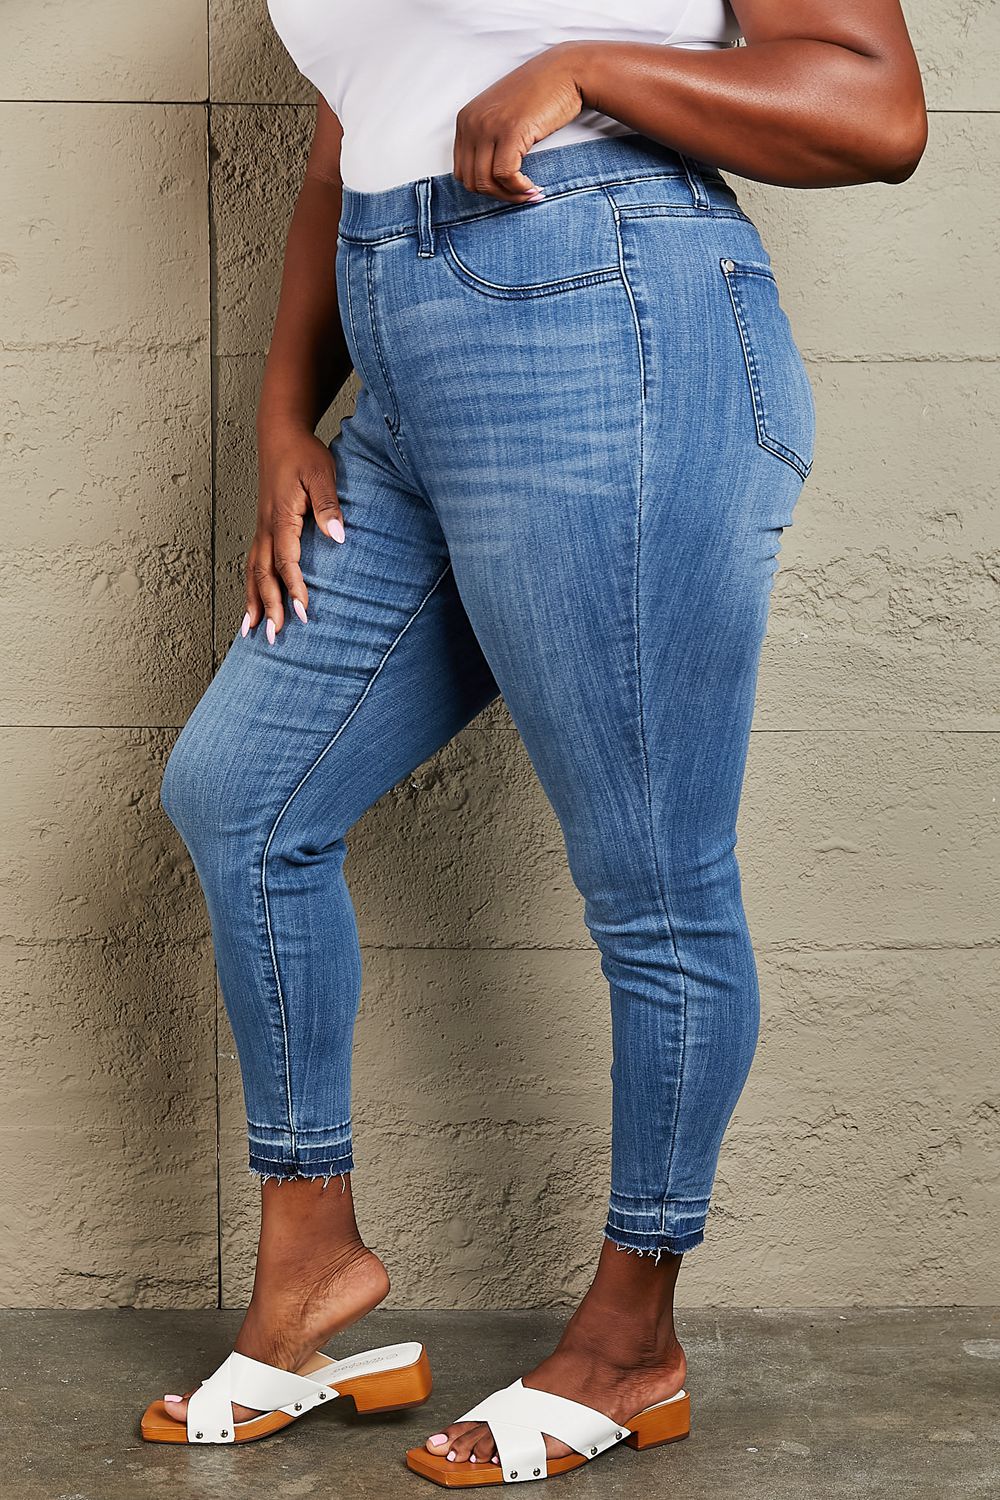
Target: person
x: 583, y: 424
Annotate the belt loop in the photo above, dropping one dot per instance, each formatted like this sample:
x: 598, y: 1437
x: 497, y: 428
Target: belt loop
x: 425, y: 225
x: 695, y: 182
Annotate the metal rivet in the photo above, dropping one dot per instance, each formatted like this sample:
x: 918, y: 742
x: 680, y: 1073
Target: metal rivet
x: 298, y: 1406
x: 536, y: 1472
x: 592, y: 1452
x: 513, y: 1473
x: 727, y: 265
x: 224, y: 1432
x: 199, y: 1434
x: 322, y: 1395
x: 617, y: 1434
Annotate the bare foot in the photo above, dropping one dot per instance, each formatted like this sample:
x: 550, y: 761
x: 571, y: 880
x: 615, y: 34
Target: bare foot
x: 314, y: 1278
x: 619, y: 1353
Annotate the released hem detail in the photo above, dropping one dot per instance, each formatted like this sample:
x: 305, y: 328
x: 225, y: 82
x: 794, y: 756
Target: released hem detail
x: 647, y: 1227
x: 313, y: 1152
x: 285, y: 1171
x: 673, y: 1244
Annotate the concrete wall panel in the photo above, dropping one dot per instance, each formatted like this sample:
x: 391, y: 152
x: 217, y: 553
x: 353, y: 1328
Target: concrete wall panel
x: 106, y: 49
x: 104, y: 302
x: 107, y: 1006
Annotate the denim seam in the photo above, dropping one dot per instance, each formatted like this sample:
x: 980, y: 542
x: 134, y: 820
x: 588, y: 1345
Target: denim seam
x: 373, y: 324
x: 661, y: 886
x: 281, y: 1161
x: 695, y: 183
x: 292, y: 795
x: 648, y: 1212
x: 354, y: 332
x: 638, y: 327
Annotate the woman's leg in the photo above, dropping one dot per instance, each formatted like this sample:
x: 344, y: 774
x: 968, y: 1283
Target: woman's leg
x: 288, y: 747
x: 614, y: 531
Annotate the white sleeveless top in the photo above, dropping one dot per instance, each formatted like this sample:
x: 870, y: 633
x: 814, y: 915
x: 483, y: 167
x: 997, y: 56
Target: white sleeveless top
x: 396, y: 72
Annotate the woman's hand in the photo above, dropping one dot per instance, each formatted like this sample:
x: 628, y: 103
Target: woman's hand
x: 498, y: 128
x: 296, y: 473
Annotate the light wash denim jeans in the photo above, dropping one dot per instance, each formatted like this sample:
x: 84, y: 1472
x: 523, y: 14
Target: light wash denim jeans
x: 583, y: 425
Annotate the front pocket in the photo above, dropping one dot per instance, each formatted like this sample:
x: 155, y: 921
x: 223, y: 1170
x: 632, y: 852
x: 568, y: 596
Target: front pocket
x: 536, y: 249
x: 782, y: 395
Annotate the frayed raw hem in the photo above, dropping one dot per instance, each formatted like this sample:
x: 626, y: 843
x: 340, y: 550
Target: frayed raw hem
x: 673, y: 1244
x: 291, y: 1171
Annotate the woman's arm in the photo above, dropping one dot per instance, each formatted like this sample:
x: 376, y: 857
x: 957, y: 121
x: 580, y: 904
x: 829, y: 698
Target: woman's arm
x: 308, y: 360
x: 306, y: 365
x: 824, y: 94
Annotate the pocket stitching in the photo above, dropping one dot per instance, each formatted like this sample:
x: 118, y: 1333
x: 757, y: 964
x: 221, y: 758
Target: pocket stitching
x: 509, y: 293
x: 764, y: 437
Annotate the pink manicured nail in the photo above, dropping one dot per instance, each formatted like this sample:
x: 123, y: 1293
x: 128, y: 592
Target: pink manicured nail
x: 246, y: 623
x: 270, y: 631
x: 300, y: 610
x: 438, y: 1438
x: 494, y: 1459
x: 472, y: 1458
x: 336, y: 528
x: 451, y: 1456
x: 173, y: 1398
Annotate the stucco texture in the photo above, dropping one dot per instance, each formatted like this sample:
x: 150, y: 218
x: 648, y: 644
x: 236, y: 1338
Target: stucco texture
x: 147, y: 178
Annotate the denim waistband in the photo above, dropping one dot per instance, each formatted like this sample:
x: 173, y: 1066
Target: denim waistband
x: 413, y: 208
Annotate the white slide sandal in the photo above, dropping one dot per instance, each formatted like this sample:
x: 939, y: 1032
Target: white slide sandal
x: 519, y: 1417
x: 386, y: 1379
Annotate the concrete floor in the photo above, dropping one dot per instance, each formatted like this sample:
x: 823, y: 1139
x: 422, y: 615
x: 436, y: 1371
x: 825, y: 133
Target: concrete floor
x: 893, y: 1403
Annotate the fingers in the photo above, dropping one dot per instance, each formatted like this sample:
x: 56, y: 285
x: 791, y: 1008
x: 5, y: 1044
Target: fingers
x: 487, y: 163
x: 507, y: 174
x: 482, y: 167
x: 255, y: 607
x: 276, y: 553
x: 268, y: 587
x: 321, y: 487
x: 286, y: 537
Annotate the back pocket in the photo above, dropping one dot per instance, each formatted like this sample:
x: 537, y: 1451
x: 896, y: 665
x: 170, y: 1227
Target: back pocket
x: 783, y: 405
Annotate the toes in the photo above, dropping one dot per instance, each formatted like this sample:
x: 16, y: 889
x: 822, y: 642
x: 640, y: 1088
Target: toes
x: 176, y: 1407
x: 456, y: 1442
x: 484, y: 1449
x: 465, y: 1439
x: 464, y: 1442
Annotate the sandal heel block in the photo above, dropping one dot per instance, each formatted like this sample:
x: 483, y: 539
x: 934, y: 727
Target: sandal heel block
x: 666, y: 1423
x: 391, y: 1390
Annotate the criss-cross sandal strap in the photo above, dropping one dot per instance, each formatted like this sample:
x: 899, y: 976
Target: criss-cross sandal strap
x: 518, y: 1417
x: 247, y: 1382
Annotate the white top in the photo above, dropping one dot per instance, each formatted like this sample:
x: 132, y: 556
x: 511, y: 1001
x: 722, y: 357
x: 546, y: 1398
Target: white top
x: 396, y: 72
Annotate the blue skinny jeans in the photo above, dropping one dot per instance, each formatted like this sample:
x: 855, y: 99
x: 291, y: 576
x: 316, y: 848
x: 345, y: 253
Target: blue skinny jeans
x: 582, y: 427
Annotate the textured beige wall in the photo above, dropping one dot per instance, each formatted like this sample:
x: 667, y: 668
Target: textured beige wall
x: 140, y: 245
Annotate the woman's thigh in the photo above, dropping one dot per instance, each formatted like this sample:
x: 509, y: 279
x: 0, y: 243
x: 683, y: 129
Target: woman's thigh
x: 292, y: 742
x: 613, y: 509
